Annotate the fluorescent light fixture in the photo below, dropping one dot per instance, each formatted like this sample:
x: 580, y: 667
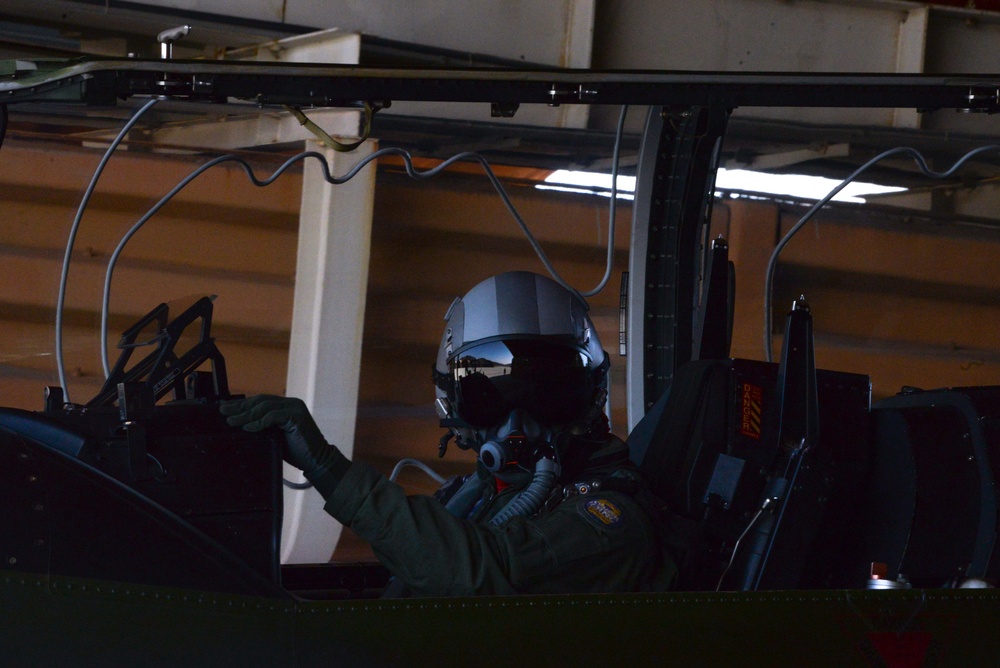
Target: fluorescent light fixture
x: 741, y: 180
x: 587, y: 191
x: 796, y: 185
x: 594, y: 183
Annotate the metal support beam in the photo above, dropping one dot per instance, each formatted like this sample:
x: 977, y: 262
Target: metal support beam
x: 324, y: 356
x: 104, y: 82
x: 255, y: 129
x: 911, y: 46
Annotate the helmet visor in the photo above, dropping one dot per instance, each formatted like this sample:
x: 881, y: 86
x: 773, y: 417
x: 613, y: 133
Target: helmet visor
x: 551, y: 381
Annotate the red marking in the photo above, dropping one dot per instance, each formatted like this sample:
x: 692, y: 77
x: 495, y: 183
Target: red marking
x: 750, y: 414
x: 901, y: 650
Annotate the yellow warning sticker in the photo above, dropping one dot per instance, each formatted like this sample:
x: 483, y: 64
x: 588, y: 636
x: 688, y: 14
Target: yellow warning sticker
x: 752, y: 402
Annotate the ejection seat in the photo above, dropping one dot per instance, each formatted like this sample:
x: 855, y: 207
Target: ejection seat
x: 752, y: 496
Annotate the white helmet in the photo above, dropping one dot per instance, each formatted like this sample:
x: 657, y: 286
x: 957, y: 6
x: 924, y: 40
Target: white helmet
x: 519, y: 341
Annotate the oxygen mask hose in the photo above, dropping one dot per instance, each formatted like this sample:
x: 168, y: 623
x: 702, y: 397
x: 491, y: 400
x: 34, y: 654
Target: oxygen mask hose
x: 530, y: 499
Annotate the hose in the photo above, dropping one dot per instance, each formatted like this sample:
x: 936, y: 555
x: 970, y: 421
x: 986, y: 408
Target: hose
x: 530, y: 499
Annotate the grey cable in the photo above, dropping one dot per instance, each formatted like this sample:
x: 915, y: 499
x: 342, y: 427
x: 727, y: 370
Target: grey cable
x: 410, y: 170
x: 773, y: 262
x: 613, y: 208
x: 74, y: 228
x: 732, y: 557
x: 351, y: 173
x: 416, y: 463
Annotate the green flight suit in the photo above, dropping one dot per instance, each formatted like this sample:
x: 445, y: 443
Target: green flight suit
x: 603, y: 541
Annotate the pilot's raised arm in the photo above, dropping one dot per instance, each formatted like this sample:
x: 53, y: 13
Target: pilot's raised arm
x: 554, y: 506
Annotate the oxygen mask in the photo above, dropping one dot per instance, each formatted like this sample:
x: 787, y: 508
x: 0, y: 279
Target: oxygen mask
x: 515, y: 444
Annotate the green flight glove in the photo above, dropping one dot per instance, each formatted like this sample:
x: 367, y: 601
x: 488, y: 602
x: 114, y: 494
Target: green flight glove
x: 306, y: 448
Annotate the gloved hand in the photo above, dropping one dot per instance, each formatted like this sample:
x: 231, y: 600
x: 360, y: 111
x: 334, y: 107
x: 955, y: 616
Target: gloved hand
x: 306, y: 449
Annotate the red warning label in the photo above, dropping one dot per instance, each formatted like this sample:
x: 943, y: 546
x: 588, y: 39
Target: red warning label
x: 753, y: 397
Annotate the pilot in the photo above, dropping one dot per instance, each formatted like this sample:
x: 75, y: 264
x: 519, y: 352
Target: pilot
x: 554, y: 505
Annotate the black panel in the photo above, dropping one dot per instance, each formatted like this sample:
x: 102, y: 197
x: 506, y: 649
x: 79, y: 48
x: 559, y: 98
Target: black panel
x: 931, y: 504
x: 712, y: 453
x: 207, y: 517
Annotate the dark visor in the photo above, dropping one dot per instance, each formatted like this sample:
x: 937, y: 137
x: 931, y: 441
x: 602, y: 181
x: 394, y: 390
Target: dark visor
x: 552, y: 382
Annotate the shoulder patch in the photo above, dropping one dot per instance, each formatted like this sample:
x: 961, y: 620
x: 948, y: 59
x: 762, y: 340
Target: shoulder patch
x: 603, y: 514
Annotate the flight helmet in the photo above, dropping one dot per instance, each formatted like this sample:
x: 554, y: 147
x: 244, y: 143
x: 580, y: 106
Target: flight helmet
x: 519, y: 342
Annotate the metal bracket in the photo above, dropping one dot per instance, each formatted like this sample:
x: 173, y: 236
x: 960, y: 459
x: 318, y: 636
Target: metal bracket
x: 164, y: 369
x: 983, y: 100
x: 136, y: 403
x: 503, y: 109
x: 167, y: 39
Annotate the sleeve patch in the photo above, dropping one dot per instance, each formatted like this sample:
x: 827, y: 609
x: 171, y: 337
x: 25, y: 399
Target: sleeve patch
x: 603, y: 514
